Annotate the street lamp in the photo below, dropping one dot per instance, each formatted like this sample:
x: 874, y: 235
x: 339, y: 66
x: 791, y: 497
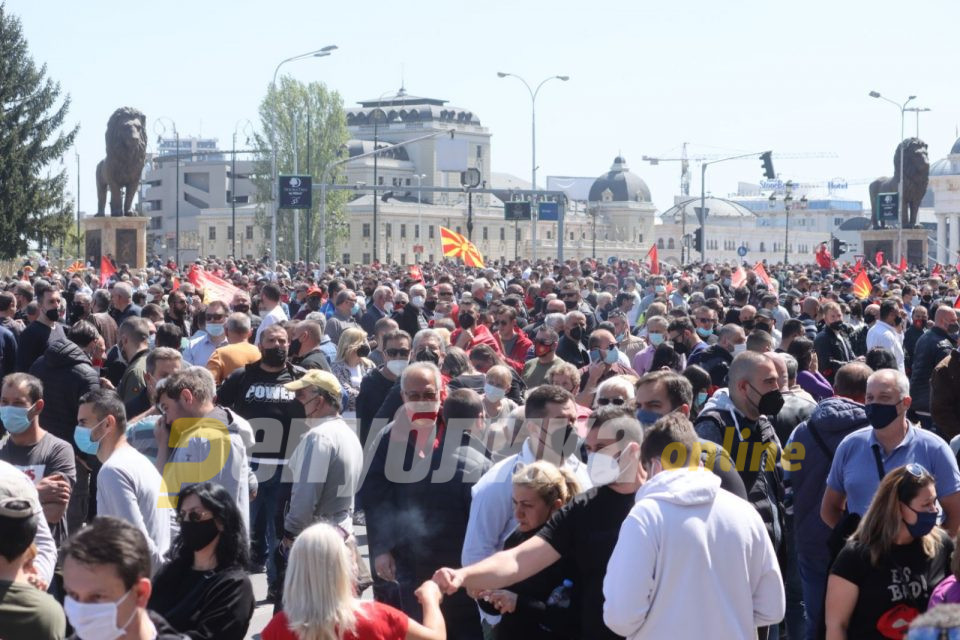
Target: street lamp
x: 900, y: 203
x: 787, y: 205
x: 918, y: 111
x: 248, y: 130
x: 420, y: 233
x: 176, y: 135
x: 319, y: 53
x: 533, y: 140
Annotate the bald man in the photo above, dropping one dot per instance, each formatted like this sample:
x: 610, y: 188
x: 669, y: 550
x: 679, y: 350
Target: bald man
x: 932, y: 347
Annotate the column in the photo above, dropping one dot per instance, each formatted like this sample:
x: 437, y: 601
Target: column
x: 952, y: 257
x: 941, y: 238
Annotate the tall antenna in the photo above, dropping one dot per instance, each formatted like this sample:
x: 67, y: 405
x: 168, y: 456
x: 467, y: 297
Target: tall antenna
x: 403, y: 83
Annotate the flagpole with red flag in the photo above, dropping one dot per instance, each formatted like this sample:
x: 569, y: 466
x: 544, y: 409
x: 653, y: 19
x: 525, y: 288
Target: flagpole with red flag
x: 106, y: 270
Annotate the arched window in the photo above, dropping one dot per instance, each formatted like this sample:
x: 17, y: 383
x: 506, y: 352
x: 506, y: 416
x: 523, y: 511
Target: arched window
x: 670, y: 244
x: 660, y: 243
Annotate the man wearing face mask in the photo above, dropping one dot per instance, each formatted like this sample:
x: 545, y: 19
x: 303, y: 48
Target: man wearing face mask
x: 886, y: 331
x: 346, y: 308
x: 43, y: 457
x: 413, y: 318
x: 859, y: 338
x: 865, y: 455
x: 382, y: 307
x: 427, y: 346
x: 686, y: 340
x: 583, y: 533
x: 400, y: 499
x: 661, y: 552
x: 376, y: 385
x: 916, y: 329
x: 570, y: 294
x: 934, y: 346
x: 310, y: 347
x: 832, y: 344
x: 571, y: 347
x: 106, y: 576
x: 604, y: 364
x: 134, y: 336
x: 213, y: 336
x: 738, y: 419
x: 43, y: 331
x: 256, y: 393
x: 716, y: 359
x: 128, y: 485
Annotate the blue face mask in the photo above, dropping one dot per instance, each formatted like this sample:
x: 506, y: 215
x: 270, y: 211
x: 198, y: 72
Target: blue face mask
x: 926, y: 521
x: 701, y: 398
x: 82, y: 436
x: 214, y: 329
x: 15, y: 419
x: 355, y: 310
x: 647, y: 417
x: 613, y: 355
x: 704, y: 333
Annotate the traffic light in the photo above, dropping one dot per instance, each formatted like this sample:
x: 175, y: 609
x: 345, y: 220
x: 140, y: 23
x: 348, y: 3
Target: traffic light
x: 698, y: 239
x: 837, y: 247
x: 767, y: 158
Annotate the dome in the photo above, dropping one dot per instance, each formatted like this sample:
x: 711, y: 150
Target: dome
x: 949, y: 166
x: 955, y: 149
x: 716, y: 208
x: 622, y: 185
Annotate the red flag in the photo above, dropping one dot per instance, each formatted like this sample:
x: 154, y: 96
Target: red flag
x: 738, y: 277
x: 106, y: 270
x: 415, y: 273
x: 654, y: 260
x: 214, y: 288
x: 936, y: 272
x: 957, y: 304
x: 176, y: 283
x: 878, y: 259
x: 862, y: 286
x: 903, y: 264
x: 761, y: 271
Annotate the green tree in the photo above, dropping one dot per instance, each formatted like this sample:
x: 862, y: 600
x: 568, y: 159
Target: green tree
x: 31, y: 139
x: 323, y: 109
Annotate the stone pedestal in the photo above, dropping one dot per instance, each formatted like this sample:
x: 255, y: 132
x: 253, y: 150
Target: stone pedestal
x: 915, y: 245
x: 123, y: 239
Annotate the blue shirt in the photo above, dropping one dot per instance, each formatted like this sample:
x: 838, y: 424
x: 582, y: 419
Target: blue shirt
x: 854, y: 470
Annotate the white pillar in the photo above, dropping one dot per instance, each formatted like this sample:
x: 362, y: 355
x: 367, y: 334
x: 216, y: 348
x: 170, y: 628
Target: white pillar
x: 941, y: 239
x: 954, y: 239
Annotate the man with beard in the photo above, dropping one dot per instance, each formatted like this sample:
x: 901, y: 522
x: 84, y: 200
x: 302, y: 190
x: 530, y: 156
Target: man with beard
x: 257, y: 394
x: 417, y: 525
x: 177, y: 311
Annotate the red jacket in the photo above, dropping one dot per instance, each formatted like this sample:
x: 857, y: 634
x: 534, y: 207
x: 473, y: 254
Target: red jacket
x: 481, y: 335
x: 518, y: 355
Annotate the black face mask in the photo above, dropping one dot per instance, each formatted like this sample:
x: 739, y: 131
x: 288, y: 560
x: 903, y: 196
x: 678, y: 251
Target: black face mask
x: 430, y: 305
x: 197, y: 535
x: 241, y: 308
x: 368, y: 292
x: 363, y: 350
x: 836, y: 326
x: 295, y: 347
x: 52, y: 314
x: 576, y: 333
x: 897, y: 321
x: 428, y: 355
x: 680, y: 347
x: 313, y: 303
x: 762, y: 327
x: 747, y: 325
x: 927, y: 298
x: 274, y: 356
x: 770, y: 402
x: 570, y: 304
x: 869, y: 318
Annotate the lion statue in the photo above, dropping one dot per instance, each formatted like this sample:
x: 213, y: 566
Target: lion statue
x: 915, y: 180
x: 120, y: 170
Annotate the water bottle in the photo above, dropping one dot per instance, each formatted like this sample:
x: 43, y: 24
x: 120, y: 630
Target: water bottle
x: 560, y: 597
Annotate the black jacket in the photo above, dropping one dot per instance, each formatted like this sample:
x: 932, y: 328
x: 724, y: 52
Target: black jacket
x: 715, y: 361
x: 206, y: 605
x: 66, y: 374
x: 809, y: 326
x: 932, y: 347
x: 374, y: 389
x: 910, y: 337
x: 573, y: 351
x: 796, y: 409
x: 33, y: 342
x: 833, y: 351
x: 412, y: 320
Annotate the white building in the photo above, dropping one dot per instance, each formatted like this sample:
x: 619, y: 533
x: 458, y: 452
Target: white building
x: 945, y: 183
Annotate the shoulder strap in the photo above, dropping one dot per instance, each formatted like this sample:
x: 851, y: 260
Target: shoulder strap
x: 820, y: 443
x: 876, y: 456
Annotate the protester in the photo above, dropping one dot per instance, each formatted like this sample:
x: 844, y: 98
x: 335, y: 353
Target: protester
x: 931, y: 348
x: 237, y: 352
x: 204, y: 591
x: 214, y: 335
x: 351, y: 365
x: 944, y: 391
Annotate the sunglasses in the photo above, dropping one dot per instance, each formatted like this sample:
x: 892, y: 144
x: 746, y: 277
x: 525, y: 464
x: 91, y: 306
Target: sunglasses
x: 215, y: 318
x: 602, y: 402
x: 545, y: 343
x: 194, y: 516
x: 917, y: 470
x: 398, y: 353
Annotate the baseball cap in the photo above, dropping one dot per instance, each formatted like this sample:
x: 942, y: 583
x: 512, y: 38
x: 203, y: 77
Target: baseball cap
x: 18, y: 496
x: 317, y: 378
x: 314, y: 291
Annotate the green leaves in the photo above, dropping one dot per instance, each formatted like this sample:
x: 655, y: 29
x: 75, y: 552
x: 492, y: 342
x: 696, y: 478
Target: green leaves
x: 32, y: 140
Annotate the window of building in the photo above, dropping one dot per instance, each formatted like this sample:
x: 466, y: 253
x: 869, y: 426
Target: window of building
x: 365, y: 232
x: 660, y: 243
x: 346, y: 258
x: 485, y: 235
x: 549, y: 235
x: 229, y: 232
x: 430, y: 235
x: 479, y: 151
x: 837, y: 222
x: 408, y: 182
x: 156, y: 222
x: 389, y: 258
x: 670, y: 244
x: 242, y: 199
x: 403, y: 231
x: 366, y: 258
x: 762, y: 247
x: 212, y: 233
x: 431, y: 257
x: 249, y: 232
x: 388, y: 231
x: 379, y: 180
x: 503, y: 233
x: 267, y: 231
x: 459, y: 230
x: 403, y: 258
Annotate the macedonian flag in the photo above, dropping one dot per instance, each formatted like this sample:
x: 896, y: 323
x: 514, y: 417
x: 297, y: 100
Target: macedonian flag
x: 456, y: 246
x: 862, y: 286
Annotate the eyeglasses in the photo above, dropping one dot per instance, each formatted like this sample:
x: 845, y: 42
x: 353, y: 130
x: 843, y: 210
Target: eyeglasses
x: 705, y: 320
x: 602, y: 402
x: 546, y: 343
x: 398, y: 353
x: 194, y: 516
x: 215, y: 318
x: 414, y: 396
x: 569, y: 294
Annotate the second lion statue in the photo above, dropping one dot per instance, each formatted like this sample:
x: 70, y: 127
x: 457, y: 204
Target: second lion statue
x: 120, y: 171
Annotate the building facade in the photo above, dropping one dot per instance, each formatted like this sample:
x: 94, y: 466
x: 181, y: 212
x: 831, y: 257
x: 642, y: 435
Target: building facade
x: 945, y: 183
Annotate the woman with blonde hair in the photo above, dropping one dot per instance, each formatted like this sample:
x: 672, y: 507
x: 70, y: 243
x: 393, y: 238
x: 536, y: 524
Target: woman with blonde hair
x: 539, y: 490
x: 352, y: 363
x: 883, y: 577
x: 320, y: 603
x: 563, y: 374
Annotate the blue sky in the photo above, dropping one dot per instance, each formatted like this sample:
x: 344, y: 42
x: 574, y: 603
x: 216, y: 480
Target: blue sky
x: 644, y: 76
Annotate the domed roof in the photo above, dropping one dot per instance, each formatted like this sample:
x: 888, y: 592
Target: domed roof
x: 955, y: 149
x: 716, y: 208
x: 948, y: 166
x: 623, y: 186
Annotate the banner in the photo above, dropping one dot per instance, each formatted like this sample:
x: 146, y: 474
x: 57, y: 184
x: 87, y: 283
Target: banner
x: 214, y: 288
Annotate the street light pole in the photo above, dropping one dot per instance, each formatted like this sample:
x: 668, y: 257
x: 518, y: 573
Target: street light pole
x: 420, y: 234
x: 176, y: 136
x: 80, y: 256
x: 533, y: 143
x: 274, y: 192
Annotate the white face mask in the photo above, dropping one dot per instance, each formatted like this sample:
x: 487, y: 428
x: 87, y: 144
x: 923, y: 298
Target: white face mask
x: 493, y: 393
x: 96, y: 621
x: 739, y: 348
x: 396, y: 367
x: 388, y: 307
x: 417, y: 301
x: 602, y: 468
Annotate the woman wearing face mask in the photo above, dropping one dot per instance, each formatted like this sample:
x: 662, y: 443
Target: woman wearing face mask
x: 563, y: 374
x: 656, y: 333
x: 204, y: 591
x: 539, y: 490
x: 352, y: 363
x: 808, y: 376
x: 884, y: 575
x: 497, y: 407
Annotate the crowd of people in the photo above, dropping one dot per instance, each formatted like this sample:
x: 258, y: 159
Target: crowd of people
x: 537, y: 450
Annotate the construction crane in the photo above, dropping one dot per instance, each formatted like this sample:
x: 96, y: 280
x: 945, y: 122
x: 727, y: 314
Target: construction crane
x: 685, y: 160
